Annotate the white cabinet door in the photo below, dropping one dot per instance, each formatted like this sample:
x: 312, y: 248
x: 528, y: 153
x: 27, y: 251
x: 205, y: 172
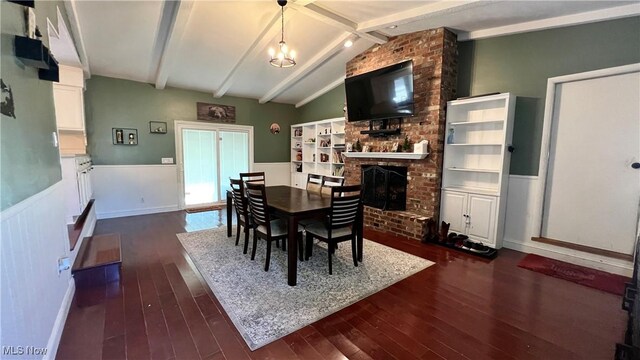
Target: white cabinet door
x: 453, y: 209
x: 482, y: 218
x: 69, y: 107
x: 298, y: 180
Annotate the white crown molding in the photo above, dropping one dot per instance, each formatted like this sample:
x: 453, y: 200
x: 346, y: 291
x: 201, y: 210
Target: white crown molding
x: 556, y: 22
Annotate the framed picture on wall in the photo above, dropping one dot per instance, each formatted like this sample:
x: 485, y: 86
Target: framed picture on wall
x: 216, y: 112
x: 157, y: 127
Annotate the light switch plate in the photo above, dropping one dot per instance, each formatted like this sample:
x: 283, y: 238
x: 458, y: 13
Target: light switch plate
x: 167, y: 160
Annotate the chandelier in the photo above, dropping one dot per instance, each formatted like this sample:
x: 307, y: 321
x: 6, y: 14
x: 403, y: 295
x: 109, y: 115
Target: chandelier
x: 284, y: 57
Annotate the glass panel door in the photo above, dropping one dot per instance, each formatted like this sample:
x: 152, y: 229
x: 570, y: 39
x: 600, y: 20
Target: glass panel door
x: 200, y: 167
x: 234, y: 156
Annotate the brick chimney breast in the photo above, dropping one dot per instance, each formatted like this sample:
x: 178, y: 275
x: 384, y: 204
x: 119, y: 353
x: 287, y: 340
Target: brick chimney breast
x: 434, y: 53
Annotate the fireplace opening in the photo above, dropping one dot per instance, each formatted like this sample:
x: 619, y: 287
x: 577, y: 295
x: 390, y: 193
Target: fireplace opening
x: 384, y: 187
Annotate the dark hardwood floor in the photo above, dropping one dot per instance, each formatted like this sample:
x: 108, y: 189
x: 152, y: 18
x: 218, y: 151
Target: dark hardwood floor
x: 461, y: 308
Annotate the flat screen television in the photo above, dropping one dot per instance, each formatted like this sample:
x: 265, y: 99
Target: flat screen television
x: 385, y: 93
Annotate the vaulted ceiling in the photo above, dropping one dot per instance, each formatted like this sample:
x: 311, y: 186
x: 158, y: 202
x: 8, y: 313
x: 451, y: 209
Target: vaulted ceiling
x: 221, y: 46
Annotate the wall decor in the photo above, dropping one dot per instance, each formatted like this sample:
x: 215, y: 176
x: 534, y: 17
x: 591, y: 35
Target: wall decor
x: 274, y: 128
x: 157, y: 127
x: 6, y: 101
x: 215, y: 112
x: 124, y: 136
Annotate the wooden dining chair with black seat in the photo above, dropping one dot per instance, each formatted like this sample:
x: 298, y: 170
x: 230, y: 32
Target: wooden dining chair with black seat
x: 340, y: 224
x: 330, y: 181
x: 242, y: 213
x: 263, y: 226
x: 314, y: 183
x: 254, y: 177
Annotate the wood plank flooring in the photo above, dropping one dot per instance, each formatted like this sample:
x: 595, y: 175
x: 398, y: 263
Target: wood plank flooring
x: 461, y: 308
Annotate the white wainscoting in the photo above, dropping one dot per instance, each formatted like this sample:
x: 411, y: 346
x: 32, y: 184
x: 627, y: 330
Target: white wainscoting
x: 126, y: 190
x: 522, y: 203
x: 278, y: 173
x: 35, y: 297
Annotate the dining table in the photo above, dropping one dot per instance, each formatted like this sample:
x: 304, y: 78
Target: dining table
x: 292, y: 205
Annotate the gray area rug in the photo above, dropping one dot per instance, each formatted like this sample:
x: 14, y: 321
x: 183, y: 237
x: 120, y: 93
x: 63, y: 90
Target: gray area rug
x: 261, y: 304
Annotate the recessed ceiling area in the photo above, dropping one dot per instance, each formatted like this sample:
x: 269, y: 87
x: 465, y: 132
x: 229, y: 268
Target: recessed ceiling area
x: 221, y: 47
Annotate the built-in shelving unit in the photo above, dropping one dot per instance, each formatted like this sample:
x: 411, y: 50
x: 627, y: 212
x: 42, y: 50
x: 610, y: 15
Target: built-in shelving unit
x: 316, y: 148
x: 476, y: 166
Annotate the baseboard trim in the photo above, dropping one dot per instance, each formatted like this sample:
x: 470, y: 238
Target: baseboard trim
x: 147, y: 211
x: 620, y: 267
x: 58, y: 326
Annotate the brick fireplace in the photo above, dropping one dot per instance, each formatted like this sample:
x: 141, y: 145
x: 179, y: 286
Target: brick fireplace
x: 434, y: 55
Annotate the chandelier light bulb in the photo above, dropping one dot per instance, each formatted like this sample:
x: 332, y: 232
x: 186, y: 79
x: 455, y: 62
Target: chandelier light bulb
x: 272, y: 52
x: 280, y: 56
x: 292, y: 54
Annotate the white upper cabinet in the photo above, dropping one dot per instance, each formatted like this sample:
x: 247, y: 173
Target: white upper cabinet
x: 69, y: 104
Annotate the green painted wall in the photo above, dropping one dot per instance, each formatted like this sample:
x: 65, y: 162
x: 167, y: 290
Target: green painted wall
x: 113, y: 103
x: 29, y: 163
x: 327, y: 106
x: 522, y: 63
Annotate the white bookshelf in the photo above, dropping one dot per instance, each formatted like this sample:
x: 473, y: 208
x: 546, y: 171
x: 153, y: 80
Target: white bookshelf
x: 476, y: 166
x: 316, y: 148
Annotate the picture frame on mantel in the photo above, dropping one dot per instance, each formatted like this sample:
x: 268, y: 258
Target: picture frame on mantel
x: 157, y: 127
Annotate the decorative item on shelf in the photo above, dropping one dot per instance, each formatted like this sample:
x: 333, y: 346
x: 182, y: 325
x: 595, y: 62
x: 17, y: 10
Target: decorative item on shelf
x: 314, y: 157
x: 284, y: 57
x: 421, y: 148
x: 366, y: 148
x: 274, y: 128
x: 325, y: 143
x: 215, y: 112
x: 357, y: 147
x: 394, y: 147
x: 324, y: 158
x: 406, y: 146
x: 298, y: 144
x: 6, y: 101
x: 124, y: 136
x: 157, y: 127
x: 311, y: 140
x: 349, y: 147
x: 297, y: 132
x: 299, y: 156
x: 299, y: 167
x: 450, y: 136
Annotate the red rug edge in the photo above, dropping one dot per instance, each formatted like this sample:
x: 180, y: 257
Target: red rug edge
x: 593, y: 278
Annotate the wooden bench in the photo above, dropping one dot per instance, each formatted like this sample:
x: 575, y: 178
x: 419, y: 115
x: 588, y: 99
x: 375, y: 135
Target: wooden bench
x: 99, y: 260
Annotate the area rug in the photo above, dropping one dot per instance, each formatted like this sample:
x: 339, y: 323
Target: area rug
x: 261, y: 304
x: 593, y: 278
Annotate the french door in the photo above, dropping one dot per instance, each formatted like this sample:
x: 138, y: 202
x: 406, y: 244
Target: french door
x: 207, y: 156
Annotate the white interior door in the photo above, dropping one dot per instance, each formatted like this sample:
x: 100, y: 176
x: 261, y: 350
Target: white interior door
x: 592, y: 192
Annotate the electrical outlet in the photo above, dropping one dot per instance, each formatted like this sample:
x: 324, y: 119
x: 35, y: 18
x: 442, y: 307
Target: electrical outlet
x: 167, y: 160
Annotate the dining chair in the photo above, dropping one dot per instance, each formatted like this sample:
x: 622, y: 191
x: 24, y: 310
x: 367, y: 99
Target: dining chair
x: 263, y: 226
x: 346, y: 203
x: 314, y: 183
x: 254, y: 177
x: 330, y: 181
x: 242, y: 213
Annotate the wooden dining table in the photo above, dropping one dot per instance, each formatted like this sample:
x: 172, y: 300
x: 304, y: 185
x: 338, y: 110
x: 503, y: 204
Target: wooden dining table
x: 292, y: 205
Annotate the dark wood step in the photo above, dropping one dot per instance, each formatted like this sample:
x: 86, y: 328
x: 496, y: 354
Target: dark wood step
x: 75, y: 229
x: 98, y: 261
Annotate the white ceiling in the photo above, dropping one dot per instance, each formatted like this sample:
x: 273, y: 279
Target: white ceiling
x: 221, y: 46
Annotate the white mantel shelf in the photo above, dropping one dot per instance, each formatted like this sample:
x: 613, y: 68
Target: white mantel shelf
x: 385, y: 155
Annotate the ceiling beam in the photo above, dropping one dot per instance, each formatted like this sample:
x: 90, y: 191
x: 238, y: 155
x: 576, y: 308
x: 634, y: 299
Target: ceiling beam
x: 330, y: 18
x: 419, y: 13
x: 306, y: 68
x: 76, y: 31
x: 555, y: 22
x: 332, y: 85
x: 176, y: 14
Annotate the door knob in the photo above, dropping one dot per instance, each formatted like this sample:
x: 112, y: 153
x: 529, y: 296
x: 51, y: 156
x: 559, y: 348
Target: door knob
x: 636, y: 165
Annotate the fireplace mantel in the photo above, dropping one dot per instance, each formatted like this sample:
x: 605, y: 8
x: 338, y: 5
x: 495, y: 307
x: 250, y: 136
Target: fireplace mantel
x: 385, y: 155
